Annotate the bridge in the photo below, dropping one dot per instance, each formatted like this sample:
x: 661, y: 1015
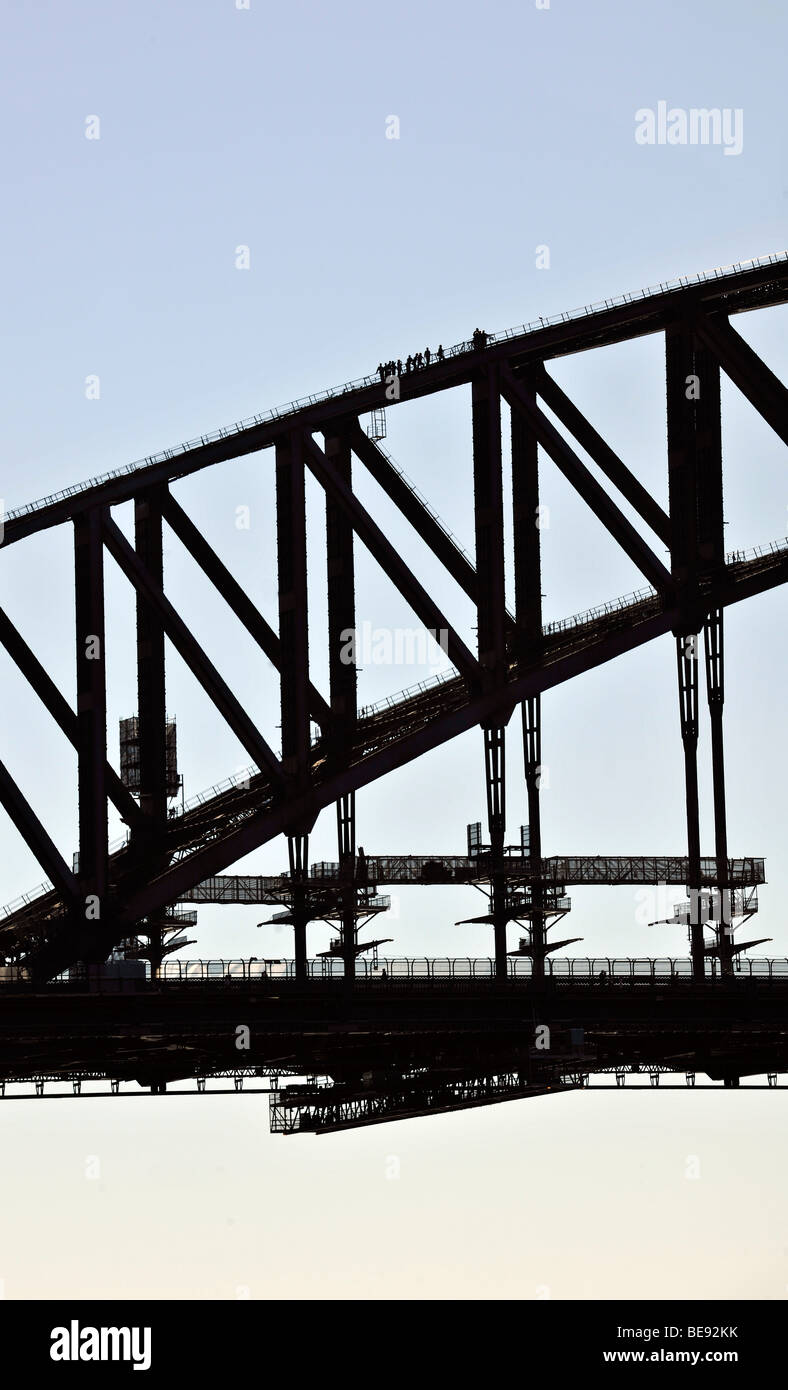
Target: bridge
x: 128, y: 901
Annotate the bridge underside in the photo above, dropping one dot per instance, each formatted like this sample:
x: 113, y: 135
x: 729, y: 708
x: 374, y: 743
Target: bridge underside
x: 386, y: 1032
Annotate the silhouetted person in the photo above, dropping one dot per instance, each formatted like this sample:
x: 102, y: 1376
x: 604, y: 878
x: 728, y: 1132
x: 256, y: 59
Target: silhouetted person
x: 427, y: 356
x: 381, y: 371
x: 399, y: 366
x: 441, y: 353
x: 408, y: 363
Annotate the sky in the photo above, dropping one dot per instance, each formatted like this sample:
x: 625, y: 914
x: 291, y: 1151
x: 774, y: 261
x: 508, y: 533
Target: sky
x: 260, y: 134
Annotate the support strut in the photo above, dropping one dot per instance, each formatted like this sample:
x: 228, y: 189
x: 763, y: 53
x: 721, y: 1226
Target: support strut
x: 687, y: 659
x: 528, y: 599
x: 495, y: 777
x: 346, y: 836
x: 532, y: 755
x: 91, y: 705
x: 715, y: 689
x: 298, y: 852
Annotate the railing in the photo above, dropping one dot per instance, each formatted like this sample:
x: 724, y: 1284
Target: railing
x: 281, y: 412
x: 469, y: 967
x: 592, y: 970
x: 575, y: 620
x: 409, y: 693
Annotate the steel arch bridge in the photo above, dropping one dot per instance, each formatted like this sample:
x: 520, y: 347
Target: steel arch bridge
x: 116, y: 897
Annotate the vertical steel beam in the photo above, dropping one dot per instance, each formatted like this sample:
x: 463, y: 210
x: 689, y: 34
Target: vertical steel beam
x: 708, y: 456
x: 692, y: 469
x: 532, y: 752
x: 528, y: 611
x: 346, y: 836
x: 91, y: 704
x: 343, y: 679
x: 495, y: 777
x: 697, y: 552
x: 491, y: 618
x: 293, y: 615
x: 682, y: 469
x: 341, y: 604
x: 713, y: 637
x: 298, y: 852
x: 687, y: 660
x: 711, y: 557
x: 151, y: 696
x: 488, y: 512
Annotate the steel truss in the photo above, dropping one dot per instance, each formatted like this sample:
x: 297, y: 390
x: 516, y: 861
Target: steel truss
x: 515, y: 661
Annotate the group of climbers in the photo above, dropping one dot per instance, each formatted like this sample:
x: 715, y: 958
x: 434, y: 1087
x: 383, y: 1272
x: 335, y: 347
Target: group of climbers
x: 388, y: 370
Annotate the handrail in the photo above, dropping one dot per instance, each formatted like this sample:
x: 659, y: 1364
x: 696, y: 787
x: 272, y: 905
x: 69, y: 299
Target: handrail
x: 596, y: 969
x: 589, y: 615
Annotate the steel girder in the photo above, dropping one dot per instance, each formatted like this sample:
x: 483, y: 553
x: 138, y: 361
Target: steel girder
x: 513, y: 665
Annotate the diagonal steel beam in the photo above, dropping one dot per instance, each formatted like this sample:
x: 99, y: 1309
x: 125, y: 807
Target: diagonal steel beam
x: 411, y: 506
x: 235, y: 597
x: 442, y: 545
x: 604, y: 457
x: 266, y: 824
x: 199, y: 664
x: 585, y: 484
x: 388, y: 558
x: 36, y: 838
x: 746, y: 370
x: 61, y: 711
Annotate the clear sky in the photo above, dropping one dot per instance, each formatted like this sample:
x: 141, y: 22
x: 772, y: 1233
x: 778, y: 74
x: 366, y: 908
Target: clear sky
x: 265, y: 128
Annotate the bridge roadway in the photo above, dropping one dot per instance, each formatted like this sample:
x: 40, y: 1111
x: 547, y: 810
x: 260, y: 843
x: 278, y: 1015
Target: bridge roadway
x: 178, y: 1028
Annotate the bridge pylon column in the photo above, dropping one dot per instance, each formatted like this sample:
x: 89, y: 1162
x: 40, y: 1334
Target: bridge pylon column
x: 491, y: 614
x: 495, y: 777
x: 527, y: 518
x: 346, y: 835
x: 532, y: 751
x: 151, y: 693
x: 697, y: 550
x: 294, y: 670
x: 91, y: 716
x: 298, y: 854
x: 715, y: 689
x: 343, y: 681
x: 687, y: 660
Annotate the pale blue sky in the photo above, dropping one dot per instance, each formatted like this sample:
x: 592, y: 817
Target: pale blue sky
x: 266, y: 128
